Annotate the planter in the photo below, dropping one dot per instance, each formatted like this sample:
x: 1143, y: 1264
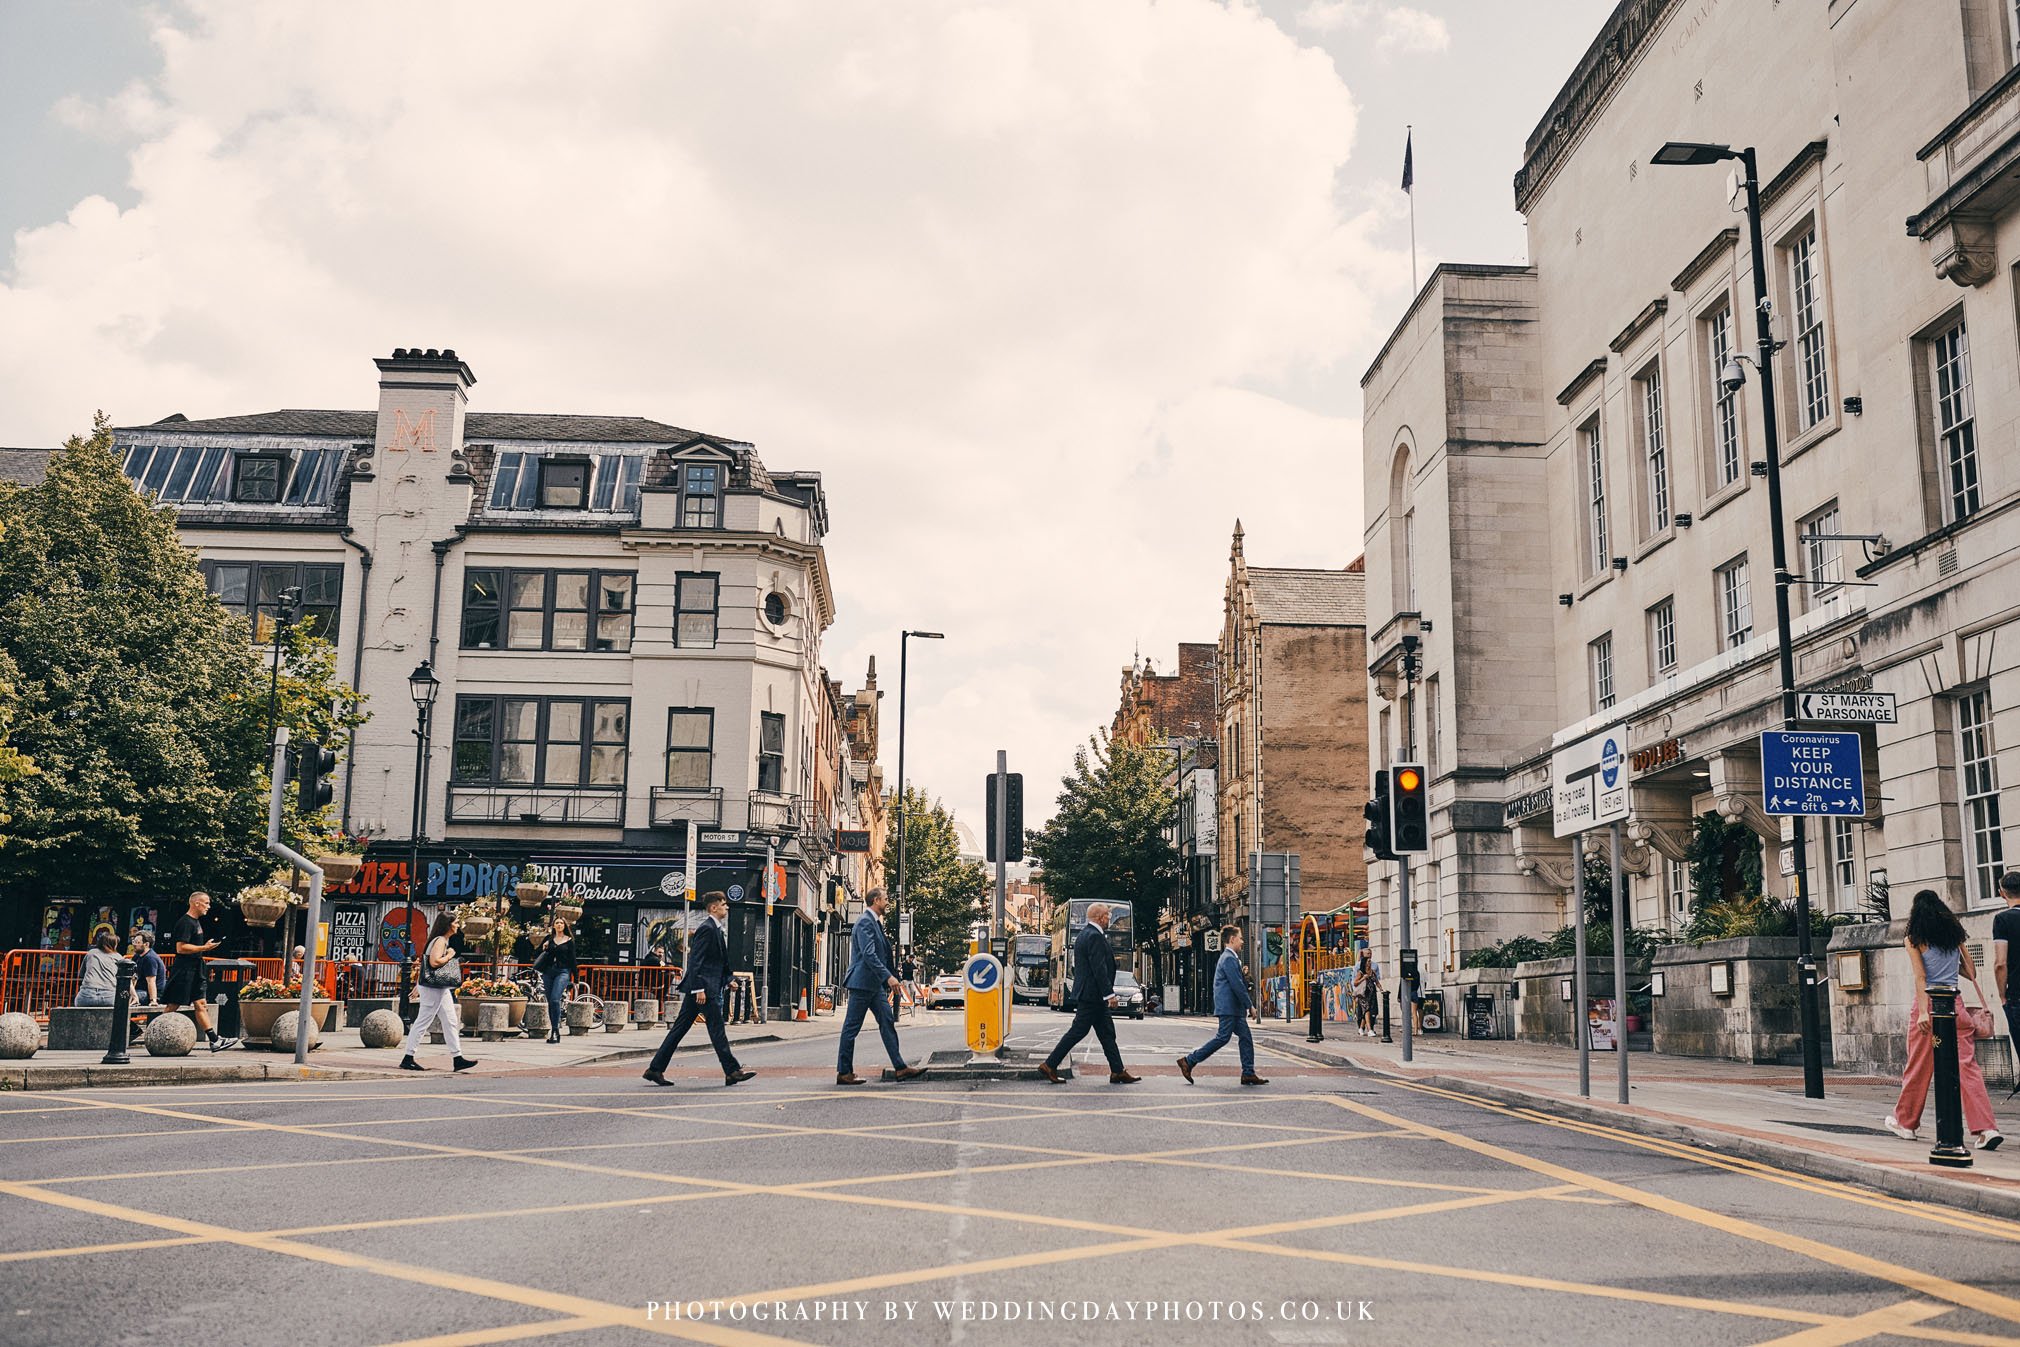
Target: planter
x: 476, y: 928
x: 530, y: 894
x: 256, y: 1018
x: 581, y: 1016
x: 568, y: 912
x: 1734, y: 999
x: 615, y: 1016
x: 263, y: 910
x: 515, y: 1008
x: 340, y: 867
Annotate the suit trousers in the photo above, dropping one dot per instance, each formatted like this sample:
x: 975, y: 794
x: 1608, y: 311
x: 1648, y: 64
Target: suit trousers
x: 718, y: 1035
x: 1231, y: 1026
x: 1099, y: 1018
x: 877, y: 1003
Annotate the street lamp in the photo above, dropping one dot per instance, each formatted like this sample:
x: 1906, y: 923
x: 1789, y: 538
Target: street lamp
x: 898, y: 898
x: 424, y: 687
x: 1693, y: 153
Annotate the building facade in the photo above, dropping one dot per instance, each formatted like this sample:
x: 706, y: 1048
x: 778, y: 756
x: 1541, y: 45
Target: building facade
x: 1572, y: 518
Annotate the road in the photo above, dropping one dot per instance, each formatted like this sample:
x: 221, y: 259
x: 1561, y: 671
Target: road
x: 566, y: 1206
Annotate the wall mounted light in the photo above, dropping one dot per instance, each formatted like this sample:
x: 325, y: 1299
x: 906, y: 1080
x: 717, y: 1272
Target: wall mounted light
x: 1684, y: 521
x: 1564, y: 599
x: 1855, y: 405
x: 1620, y: 563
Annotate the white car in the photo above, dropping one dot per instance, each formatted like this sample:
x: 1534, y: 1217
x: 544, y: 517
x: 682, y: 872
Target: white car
x: 1128, y: 995
x: 944, y: 991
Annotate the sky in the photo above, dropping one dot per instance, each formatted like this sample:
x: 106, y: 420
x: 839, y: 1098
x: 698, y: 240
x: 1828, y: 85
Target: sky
x: 1050, y: 292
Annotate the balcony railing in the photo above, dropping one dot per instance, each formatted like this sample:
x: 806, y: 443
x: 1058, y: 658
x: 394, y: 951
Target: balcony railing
x: 773, y: 812
x: 534, y: 804
x: 675, y: 805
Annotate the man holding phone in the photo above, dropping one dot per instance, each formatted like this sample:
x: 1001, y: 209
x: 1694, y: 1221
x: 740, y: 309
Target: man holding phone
x: 186, y: 978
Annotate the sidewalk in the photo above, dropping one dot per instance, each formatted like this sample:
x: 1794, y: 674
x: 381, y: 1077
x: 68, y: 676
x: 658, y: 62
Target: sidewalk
x: 1754, y: 1112
x: 341, y: 1056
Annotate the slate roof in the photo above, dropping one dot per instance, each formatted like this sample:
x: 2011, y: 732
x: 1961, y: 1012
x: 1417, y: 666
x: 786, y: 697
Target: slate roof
x: 477, y: 426
x: 24, y: 466
x: 1286, y: 597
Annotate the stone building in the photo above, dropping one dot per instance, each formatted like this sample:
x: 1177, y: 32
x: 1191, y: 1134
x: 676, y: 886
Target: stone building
x: 1158, y: 708
x: 1566, y: 507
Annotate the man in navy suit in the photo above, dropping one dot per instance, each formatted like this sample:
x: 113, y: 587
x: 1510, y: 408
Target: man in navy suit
x: 1093, y: 1001
x: 870, y: 982
x: 702, y: 987
x: 1232, y: 1003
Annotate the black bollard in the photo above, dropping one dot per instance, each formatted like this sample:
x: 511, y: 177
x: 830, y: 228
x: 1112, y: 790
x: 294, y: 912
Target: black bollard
x: 1949, y: 1150
x: 1315, y: 1034
x: 1385, y: 1019
x: 406, y: 990
x: 122, y: 1013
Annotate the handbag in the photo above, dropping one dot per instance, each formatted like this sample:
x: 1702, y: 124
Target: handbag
x: 444, y: 975
x: 1979, y: 1019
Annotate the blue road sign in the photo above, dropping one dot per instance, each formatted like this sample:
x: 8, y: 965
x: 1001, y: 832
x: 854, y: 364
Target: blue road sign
x: 983, y: 973
x: 1813, y: 772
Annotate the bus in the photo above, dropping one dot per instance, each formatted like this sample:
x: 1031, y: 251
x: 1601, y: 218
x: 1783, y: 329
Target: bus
x: 1067, y: 922
x: 1030, y: 969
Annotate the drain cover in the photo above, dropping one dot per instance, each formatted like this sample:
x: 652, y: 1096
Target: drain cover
x: 1844, y: 1129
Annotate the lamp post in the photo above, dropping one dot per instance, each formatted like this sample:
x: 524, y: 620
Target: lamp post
x: 1687, y: 153
x: 898, y: 898
x: 424, y: 687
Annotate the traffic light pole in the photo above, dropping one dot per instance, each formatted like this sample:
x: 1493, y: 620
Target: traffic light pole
x: 1002, y: 835
x: 1408, y: 982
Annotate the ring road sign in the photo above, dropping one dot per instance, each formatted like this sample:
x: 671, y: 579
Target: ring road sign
x: 1857, y: 708
x: 1813, y: 772
x: 1589, y: 782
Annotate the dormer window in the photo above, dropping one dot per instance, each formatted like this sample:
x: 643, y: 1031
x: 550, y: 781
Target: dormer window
x: 256, y: 478
x: 701, y: 496
x: 599, y: 482
x: 195, y: 474
x: 564, y: 483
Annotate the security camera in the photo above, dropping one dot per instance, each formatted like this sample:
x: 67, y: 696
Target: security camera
x: 1733, y: 377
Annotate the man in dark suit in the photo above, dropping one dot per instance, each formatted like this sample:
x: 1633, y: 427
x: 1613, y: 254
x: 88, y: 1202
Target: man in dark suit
x: 1093, y: 1001
x: 871, y: 982
x: 1232, y: 1003
x: 702, y: 986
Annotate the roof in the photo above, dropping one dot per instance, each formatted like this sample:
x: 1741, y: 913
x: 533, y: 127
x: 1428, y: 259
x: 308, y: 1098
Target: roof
x: 1285, y: 597
x: 24, y: 466
x: 476, y: 426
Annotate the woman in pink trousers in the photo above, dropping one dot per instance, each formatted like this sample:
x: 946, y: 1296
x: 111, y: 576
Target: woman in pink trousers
x: 1937, y: 954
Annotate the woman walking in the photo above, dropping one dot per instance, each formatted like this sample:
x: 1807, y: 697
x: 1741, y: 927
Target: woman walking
x: 1938, y: 957
x: 441, y: 974
x: 555, y: 965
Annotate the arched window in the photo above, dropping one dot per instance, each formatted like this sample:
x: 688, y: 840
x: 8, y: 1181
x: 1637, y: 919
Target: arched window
x: 1403, y: 530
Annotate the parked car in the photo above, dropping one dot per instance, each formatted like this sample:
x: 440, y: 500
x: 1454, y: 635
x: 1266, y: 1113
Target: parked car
x: 1128, y: 995
x: 944, y: 991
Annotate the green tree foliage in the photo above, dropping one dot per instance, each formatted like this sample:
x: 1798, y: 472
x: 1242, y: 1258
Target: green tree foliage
x: 142, y: 703
x: 1107, y: 840
x: 13, y: 763
x: 943, y: 893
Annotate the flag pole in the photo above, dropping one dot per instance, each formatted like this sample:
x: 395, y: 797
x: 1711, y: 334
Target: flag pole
x: 1409, y: 185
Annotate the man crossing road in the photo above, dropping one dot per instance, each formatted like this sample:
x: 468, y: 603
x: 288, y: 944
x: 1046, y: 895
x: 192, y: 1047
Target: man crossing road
x: 870, y: 983
x: 1093, y: 1001
x: 703, y: 986
x: 1232, y: 1003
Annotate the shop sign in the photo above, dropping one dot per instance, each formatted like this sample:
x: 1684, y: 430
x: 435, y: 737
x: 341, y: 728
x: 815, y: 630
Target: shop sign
x: 625, y: 881
x: 853, y: 841
x: 350, y: 934
x: 1656, y: 757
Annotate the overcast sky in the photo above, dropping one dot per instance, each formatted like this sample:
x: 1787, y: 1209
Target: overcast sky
x: 1050, y: 293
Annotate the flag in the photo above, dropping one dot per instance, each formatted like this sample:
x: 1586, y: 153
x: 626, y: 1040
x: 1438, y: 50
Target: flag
x: 1408, y: 176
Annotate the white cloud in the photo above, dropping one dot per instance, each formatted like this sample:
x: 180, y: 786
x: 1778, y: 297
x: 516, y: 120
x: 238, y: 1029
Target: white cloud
x: 1398, y: 30
x: 1000, y: 273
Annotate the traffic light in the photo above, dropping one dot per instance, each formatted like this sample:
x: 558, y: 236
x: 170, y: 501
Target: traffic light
x: 1013, y: 816
x: 1409, y: 809
x: 313, y: 766
x: 1376, y: 812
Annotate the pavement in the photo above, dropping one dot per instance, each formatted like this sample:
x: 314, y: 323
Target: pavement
x: 578, y: 1204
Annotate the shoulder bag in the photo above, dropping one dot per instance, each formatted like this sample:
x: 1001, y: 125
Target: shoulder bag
x: 444, y: 975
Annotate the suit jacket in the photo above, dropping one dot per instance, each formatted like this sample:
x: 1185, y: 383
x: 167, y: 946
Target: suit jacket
x: 707, y: 961
x: 870, y: 955
x: 1230, y: 986
x: 1093, y: 967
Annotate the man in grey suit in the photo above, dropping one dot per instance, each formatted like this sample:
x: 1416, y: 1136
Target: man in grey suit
x: 1232, y: 1003
x: 870, y: 982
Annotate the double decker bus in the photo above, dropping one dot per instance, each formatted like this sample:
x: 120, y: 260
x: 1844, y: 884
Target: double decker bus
x: 1067, y: 922
x: 1030, y: 969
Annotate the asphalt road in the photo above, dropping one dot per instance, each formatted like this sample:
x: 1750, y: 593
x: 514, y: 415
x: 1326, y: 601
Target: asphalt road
x: 569, y: 1206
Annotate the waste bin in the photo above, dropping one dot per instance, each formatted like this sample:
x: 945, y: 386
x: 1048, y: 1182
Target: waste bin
x: 1432, y: 1005
x: 230, y: 977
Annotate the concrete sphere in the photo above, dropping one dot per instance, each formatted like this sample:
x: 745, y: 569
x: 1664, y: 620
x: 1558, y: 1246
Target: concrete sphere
x: 382, y: 1029
x: 20, y: 1036
x: 170, y: 1036
x: 282, y: 1035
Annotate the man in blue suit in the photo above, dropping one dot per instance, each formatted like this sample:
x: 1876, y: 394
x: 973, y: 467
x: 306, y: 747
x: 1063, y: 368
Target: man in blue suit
x: 1232, y: 1003
x: 870, y: 982
x: 703, y: 988
x: 1093, y: 1000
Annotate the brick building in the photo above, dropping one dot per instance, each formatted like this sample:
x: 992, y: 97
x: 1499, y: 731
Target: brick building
x: 1158, y: 707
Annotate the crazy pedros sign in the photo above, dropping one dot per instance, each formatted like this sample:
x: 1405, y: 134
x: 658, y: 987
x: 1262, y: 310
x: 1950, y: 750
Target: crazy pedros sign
x: 440, y: 879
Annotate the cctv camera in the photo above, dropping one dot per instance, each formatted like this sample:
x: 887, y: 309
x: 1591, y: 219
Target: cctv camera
x: 1733, y: 377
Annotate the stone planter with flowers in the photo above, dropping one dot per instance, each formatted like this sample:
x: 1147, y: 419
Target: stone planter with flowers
x: 477, y: 991
x: 264, y: 1000
x: 264, y: 904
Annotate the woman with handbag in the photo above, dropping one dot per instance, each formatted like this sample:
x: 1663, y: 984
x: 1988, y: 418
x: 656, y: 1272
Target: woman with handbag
x: 1937, y: 955
x: 555, y: 967
x: 441, y: 974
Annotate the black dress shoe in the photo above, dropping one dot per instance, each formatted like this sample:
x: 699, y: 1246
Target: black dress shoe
x: 738, y: 1078
x: 657, y: 1079
x: 409, y: 1064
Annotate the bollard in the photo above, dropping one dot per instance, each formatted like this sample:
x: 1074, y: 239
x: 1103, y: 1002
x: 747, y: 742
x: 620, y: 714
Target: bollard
x: 1949, y: 1150
x: 1316, y: 1034
x: 405, y: 1005
x: 1385, y: 1019
x: 122, y: 1011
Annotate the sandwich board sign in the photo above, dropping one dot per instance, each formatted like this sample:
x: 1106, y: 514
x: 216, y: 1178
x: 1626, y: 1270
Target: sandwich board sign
x: 1589, y: 782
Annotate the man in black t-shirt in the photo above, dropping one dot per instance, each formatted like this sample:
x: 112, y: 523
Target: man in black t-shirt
x: 191, y: 941
x: 2006, y: 949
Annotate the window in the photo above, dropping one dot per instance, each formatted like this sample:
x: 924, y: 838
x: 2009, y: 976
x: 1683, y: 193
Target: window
x: 1408, y: 726
x: 1845, y: 864
x: 1735, y: 604
x: 690, y: 747
x: 1385, y: 758
x: 1956, y: 422
x: 253, y: 589
x: 694, y: 605
x: 1725, y: 444
x: 1431, y: 727
x: 601, y: 482
x: 1598, y: 555
x: 1980, y: 764
x: 701, y: 496
x: 1599, y: 655
x: 256, y: 478
x: 564, y: 483
x: 547, y: 610
x: 775, y: 609
x: 1813, y: 379
x: 1676, y: 881
x: 1654, y: 447
x: 1662, y: 639
x: 1410, y: 561
x: 1823, y: 559
x: 771, y: 763
x: 548, y: 742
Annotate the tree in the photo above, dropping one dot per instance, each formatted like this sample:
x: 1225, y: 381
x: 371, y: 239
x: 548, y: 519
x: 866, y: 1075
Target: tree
x: 141, y: 701
x: 943, y: 893
x: 1107, y: 840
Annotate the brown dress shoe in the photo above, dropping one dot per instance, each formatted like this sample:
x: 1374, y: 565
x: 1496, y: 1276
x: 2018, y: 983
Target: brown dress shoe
x: 1122, y: 1078
x: 1251, y: 1078
x: 1185, y: 1069
x: 909, y: 1073
x: 1046, y: 1070
x: 848, y: 1078
x: 738, y: 1078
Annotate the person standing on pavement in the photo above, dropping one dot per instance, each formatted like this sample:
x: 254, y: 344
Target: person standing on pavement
x: 703, y: 986
x: 1094, y: 1001
x: 2005, y: 949
x: 555, y: 966
x: 441, y: 974
x: 1232, y: 1003
x: 1938, y: 958
x: 871, y: 983
x: 186, y: 979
